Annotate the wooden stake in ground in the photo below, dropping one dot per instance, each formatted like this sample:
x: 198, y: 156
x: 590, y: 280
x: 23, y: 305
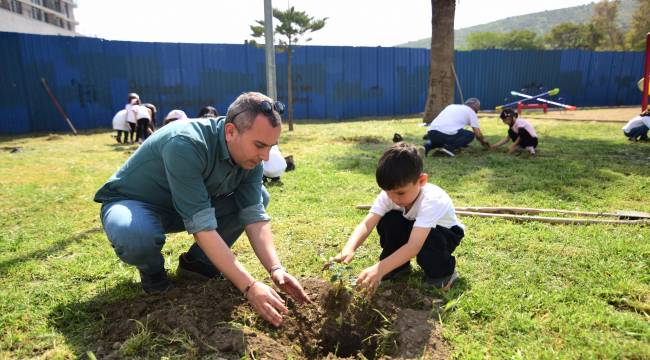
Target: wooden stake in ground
x: 58, y: 106
x: 515, y: 214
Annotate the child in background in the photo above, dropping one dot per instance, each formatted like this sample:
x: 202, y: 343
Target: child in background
x: 121, y: 126
x: 637, y: 128
x: 208, y: 112
x: 133, y: 99
x: 520, y: 131
x: 413, y: 219
x: 174, y: 115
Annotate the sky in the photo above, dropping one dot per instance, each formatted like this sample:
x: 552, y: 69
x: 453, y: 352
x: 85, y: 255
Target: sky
x: 350, y: 22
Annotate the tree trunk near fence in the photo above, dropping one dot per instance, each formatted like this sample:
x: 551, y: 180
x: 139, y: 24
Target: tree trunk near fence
x: 289, y: 89
x: 441, y: 79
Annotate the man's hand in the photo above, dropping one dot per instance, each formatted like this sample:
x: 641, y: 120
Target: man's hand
x: 290, y: 285
x: 266, y: 302
x: 369, y: 279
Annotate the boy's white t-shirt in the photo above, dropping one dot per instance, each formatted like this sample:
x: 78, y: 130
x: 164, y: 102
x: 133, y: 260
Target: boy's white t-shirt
x: 119, y: 121
x: 636, y: 122
x: 453, y: 118
x: 431, y: 208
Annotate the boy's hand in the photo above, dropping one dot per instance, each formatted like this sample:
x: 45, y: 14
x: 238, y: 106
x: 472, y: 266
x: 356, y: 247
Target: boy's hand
x: 267, y: 303
x: 369, y: 279
x: 345, y: 256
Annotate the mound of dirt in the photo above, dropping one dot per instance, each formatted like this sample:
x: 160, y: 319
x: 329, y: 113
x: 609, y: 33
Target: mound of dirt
x: 213, y: 321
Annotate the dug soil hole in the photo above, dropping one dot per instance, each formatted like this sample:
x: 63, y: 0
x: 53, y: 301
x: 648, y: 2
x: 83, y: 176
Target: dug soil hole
x: 212, y: 321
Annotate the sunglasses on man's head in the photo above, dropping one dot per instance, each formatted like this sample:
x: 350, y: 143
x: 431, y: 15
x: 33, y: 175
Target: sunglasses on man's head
x: 267, y: 107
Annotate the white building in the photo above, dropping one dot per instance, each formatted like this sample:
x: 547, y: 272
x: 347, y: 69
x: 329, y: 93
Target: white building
x: 45, y: 17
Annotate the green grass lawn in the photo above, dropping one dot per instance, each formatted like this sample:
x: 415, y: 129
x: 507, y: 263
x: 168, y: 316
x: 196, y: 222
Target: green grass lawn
x: 527, y: 290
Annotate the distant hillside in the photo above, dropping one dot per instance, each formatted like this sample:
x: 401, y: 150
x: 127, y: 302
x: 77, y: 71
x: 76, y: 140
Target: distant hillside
x: 540, y: 22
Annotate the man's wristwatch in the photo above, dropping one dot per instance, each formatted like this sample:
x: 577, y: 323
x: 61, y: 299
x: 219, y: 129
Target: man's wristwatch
x: 275, y: 268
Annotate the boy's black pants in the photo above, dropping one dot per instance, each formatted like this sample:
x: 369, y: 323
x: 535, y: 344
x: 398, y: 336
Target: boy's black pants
x: 435, y: 256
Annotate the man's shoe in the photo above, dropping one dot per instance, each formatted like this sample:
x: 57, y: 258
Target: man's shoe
x: 155, y: 283
x: 402, y: 271
x: 190, y: 268
x: 444, y: 282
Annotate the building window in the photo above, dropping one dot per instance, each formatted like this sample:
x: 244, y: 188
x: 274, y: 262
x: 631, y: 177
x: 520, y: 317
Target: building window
x: 67, y: 10
x: 13, y: 5
x: 37, y: 14
x: 37, y: 2
x: 57, y: 5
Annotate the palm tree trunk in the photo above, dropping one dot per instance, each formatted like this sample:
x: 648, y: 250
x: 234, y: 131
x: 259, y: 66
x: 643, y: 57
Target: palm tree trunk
x: 289, y: 89
x: 441, y: 79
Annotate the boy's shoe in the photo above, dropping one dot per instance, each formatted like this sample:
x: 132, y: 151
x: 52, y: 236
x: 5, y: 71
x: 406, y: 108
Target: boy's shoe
x: 190, y: 268
x: 155, y: 283
x: 444, y: 152
x: 397, y: 273
x: 444, y: 282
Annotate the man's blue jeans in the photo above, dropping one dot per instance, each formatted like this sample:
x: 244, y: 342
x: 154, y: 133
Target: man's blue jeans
x: 450, y: 142
x: 137, y: 230
x: 640, y: 132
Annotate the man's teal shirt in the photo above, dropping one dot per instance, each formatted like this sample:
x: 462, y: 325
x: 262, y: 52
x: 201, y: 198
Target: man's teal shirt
x: 182, y: 167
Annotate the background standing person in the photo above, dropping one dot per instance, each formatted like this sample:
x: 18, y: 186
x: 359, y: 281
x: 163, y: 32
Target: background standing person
x: 447, y: 131
x: 121, y: 126
x: 205, y: 177
x: 131, y: 115
x: 144, y: 114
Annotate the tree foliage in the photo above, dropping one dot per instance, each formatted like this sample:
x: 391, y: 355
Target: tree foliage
x: 635, y: 37
x: 574, y: 36
x: 513, y: 40
x: 292, y: 26
x: 604, y: 19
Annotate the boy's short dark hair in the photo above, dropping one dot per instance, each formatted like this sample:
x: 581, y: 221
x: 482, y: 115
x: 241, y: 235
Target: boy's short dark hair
x: 400, y: 165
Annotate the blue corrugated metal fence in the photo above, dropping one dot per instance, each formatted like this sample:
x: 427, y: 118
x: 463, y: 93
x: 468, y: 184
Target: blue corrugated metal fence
x: 91, y: 77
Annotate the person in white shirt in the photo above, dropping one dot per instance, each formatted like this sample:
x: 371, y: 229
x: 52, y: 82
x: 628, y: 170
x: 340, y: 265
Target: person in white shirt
x: 637, y: 128
x: 133, y: 99
x: 413, y: 218
x: 120, y: 125
x: 447, y: 131
x: 275, y: 166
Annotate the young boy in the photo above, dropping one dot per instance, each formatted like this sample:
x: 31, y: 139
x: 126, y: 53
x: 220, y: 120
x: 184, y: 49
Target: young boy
x: 413, y: 219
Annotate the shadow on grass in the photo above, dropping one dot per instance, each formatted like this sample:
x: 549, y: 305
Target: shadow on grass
x: 48, y: 251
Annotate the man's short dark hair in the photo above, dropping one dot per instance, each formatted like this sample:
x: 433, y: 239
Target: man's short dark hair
x: 243, y: 111
x: 399, y: 166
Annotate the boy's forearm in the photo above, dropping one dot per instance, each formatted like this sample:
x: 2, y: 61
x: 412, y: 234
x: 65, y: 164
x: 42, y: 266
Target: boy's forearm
x: 357, y: 238
x: 398, y: 258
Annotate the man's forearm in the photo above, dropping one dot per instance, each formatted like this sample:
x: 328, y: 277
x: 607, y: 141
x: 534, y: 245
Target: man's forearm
x: 261, y: 239
x: 221, y: 257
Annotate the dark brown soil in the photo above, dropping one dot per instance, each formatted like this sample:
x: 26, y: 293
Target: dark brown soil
x: 213, y: 321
